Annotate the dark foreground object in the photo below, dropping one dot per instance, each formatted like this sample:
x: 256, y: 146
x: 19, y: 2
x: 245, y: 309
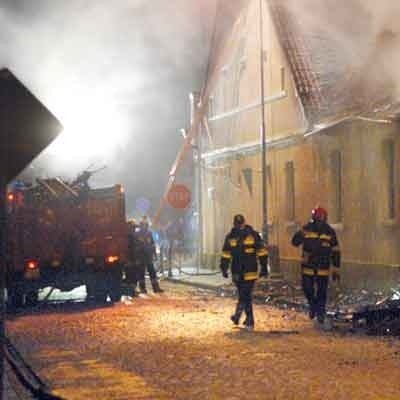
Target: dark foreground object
x: 381, y: 319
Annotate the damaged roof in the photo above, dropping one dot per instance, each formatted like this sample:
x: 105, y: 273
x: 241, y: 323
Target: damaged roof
x: 339, y: 56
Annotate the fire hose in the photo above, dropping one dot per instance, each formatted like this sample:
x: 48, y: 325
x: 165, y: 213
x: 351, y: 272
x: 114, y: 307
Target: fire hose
x: 25, y: 374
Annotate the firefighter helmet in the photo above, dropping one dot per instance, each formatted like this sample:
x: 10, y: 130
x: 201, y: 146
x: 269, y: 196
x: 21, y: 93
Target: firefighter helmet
x: 132, y: 222
x: 144, y: 223
x: 319, y: 214
x: 238, y: 220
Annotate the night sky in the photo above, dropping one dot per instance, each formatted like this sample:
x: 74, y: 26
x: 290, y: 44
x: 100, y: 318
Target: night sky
x: 117, y: 75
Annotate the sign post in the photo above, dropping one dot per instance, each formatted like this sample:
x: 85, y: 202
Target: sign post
x: 26, y: 128
x: 179, y: 196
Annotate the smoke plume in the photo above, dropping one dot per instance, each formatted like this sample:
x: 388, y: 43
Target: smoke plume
x: 136, y: 59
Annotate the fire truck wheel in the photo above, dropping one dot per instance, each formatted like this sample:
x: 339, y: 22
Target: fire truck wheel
x: 115, y: 294
x: 15, y: 298
x: 32, y: 298
x: 100, y: 291
x: 100, y: 297
x: 114, y: 285
x: 95, y: 290
x: 90, y: 291
x: 115, y: 289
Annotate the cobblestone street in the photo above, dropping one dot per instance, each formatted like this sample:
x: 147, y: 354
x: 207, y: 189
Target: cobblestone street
x: 182, y: 345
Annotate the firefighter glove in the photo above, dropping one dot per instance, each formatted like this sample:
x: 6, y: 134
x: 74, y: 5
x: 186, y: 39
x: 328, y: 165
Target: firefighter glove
x: 336, y: 276
x: 225, y: 274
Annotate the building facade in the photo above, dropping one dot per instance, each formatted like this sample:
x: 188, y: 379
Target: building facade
x: 331, y: 139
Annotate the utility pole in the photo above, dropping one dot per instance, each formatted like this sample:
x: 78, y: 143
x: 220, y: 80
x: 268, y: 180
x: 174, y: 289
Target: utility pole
x: 195, y: 98
x: 263, y: 130
x: 4, y: 146
x: 2, y: 277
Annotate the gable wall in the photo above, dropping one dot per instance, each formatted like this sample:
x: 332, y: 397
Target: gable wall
x: 366, y: 236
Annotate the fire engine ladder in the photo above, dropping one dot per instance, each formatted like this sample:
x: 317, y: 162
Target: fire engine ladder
x: 201, y: 109
x: 57, y: 187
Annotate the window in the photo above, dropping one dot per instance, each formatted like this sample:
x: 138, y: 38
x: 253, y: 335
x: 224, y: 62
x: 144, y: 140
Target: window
x: 248, y: 178
x: 337, y: 186
x: 240, y: 65
x: 390, y: 178
x: 269, y: 193
x: 269, y: 177
x: 290, y: 191
x: 224, y: 88
x: 210, y: 107
x: 283, y: 83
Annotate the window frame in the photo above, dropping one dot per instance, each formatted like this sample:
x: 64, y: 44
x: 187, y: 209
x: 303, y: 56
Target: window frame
x: 290, y: 186
x: 336, y: 183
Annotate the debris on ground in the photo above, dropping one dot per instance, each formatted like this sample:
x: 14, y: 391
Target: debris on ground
x: 372, y: 312
x: 182, y: 345
x: 376, y: 313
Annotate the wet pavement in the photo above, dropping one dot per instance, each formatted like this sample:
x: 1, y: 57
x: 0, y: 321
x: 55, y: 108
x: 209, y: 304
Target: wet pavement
x: 181, y: 345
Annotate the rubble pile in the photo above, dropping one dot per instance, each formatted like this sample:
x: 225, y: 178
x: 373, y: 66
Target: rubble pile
x: 281, y: 293
x: 376, y: 313
x: 227, y: 290
x: 278, y: 292
x: 372, y: 312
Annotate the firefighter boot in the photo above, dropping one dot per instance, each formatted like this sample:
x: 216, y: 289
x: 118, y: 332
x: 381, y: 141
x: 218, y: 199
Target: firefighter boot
x: 249, y: 322
x: 312, y: 311
x: 238, y: 313
x: 134, y: 291
x: 156, y: 286
x: 321, y: 318
x: 142, y: 287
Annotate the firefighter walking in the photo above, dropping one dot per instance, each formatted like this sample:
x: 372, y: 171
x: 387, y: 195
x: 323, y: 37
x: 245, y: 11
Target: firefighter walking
x: 145, y: 253
x: 320, y: 250
x: 242, y: 247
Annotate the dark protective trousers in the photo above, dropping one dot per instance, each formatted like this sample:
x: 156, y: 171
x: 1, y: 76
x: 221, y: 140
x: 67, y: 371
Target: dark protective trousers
x: 245, y: 300
x: 141, y: 270
x: 315, y: 289
x: 151, y: 271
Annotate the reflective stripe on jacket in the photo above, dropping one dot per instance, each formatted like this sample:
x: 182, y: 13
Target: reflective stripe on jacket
x: 320, y: 248
x: 242, y: 248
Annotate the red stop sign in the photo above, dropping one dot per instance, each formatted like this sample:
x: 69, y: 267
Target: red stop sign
x: 179, y: 196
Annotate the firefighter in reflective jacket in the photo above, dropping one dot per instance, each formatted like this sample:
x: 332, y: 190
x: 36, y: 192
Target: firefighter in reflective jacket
x: 242, y: 247
x: 320, y: 251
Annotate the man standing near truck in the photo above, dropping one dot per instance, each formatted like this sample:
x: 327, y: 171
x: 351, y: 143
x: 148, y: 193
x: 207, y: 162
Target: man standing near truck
x: 146, y: 252
x: 131, y: 272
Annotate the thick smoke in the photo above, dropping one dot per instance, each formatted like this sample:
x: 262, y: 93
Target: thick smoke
x: 138, y: 59
x: 362, y: 36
